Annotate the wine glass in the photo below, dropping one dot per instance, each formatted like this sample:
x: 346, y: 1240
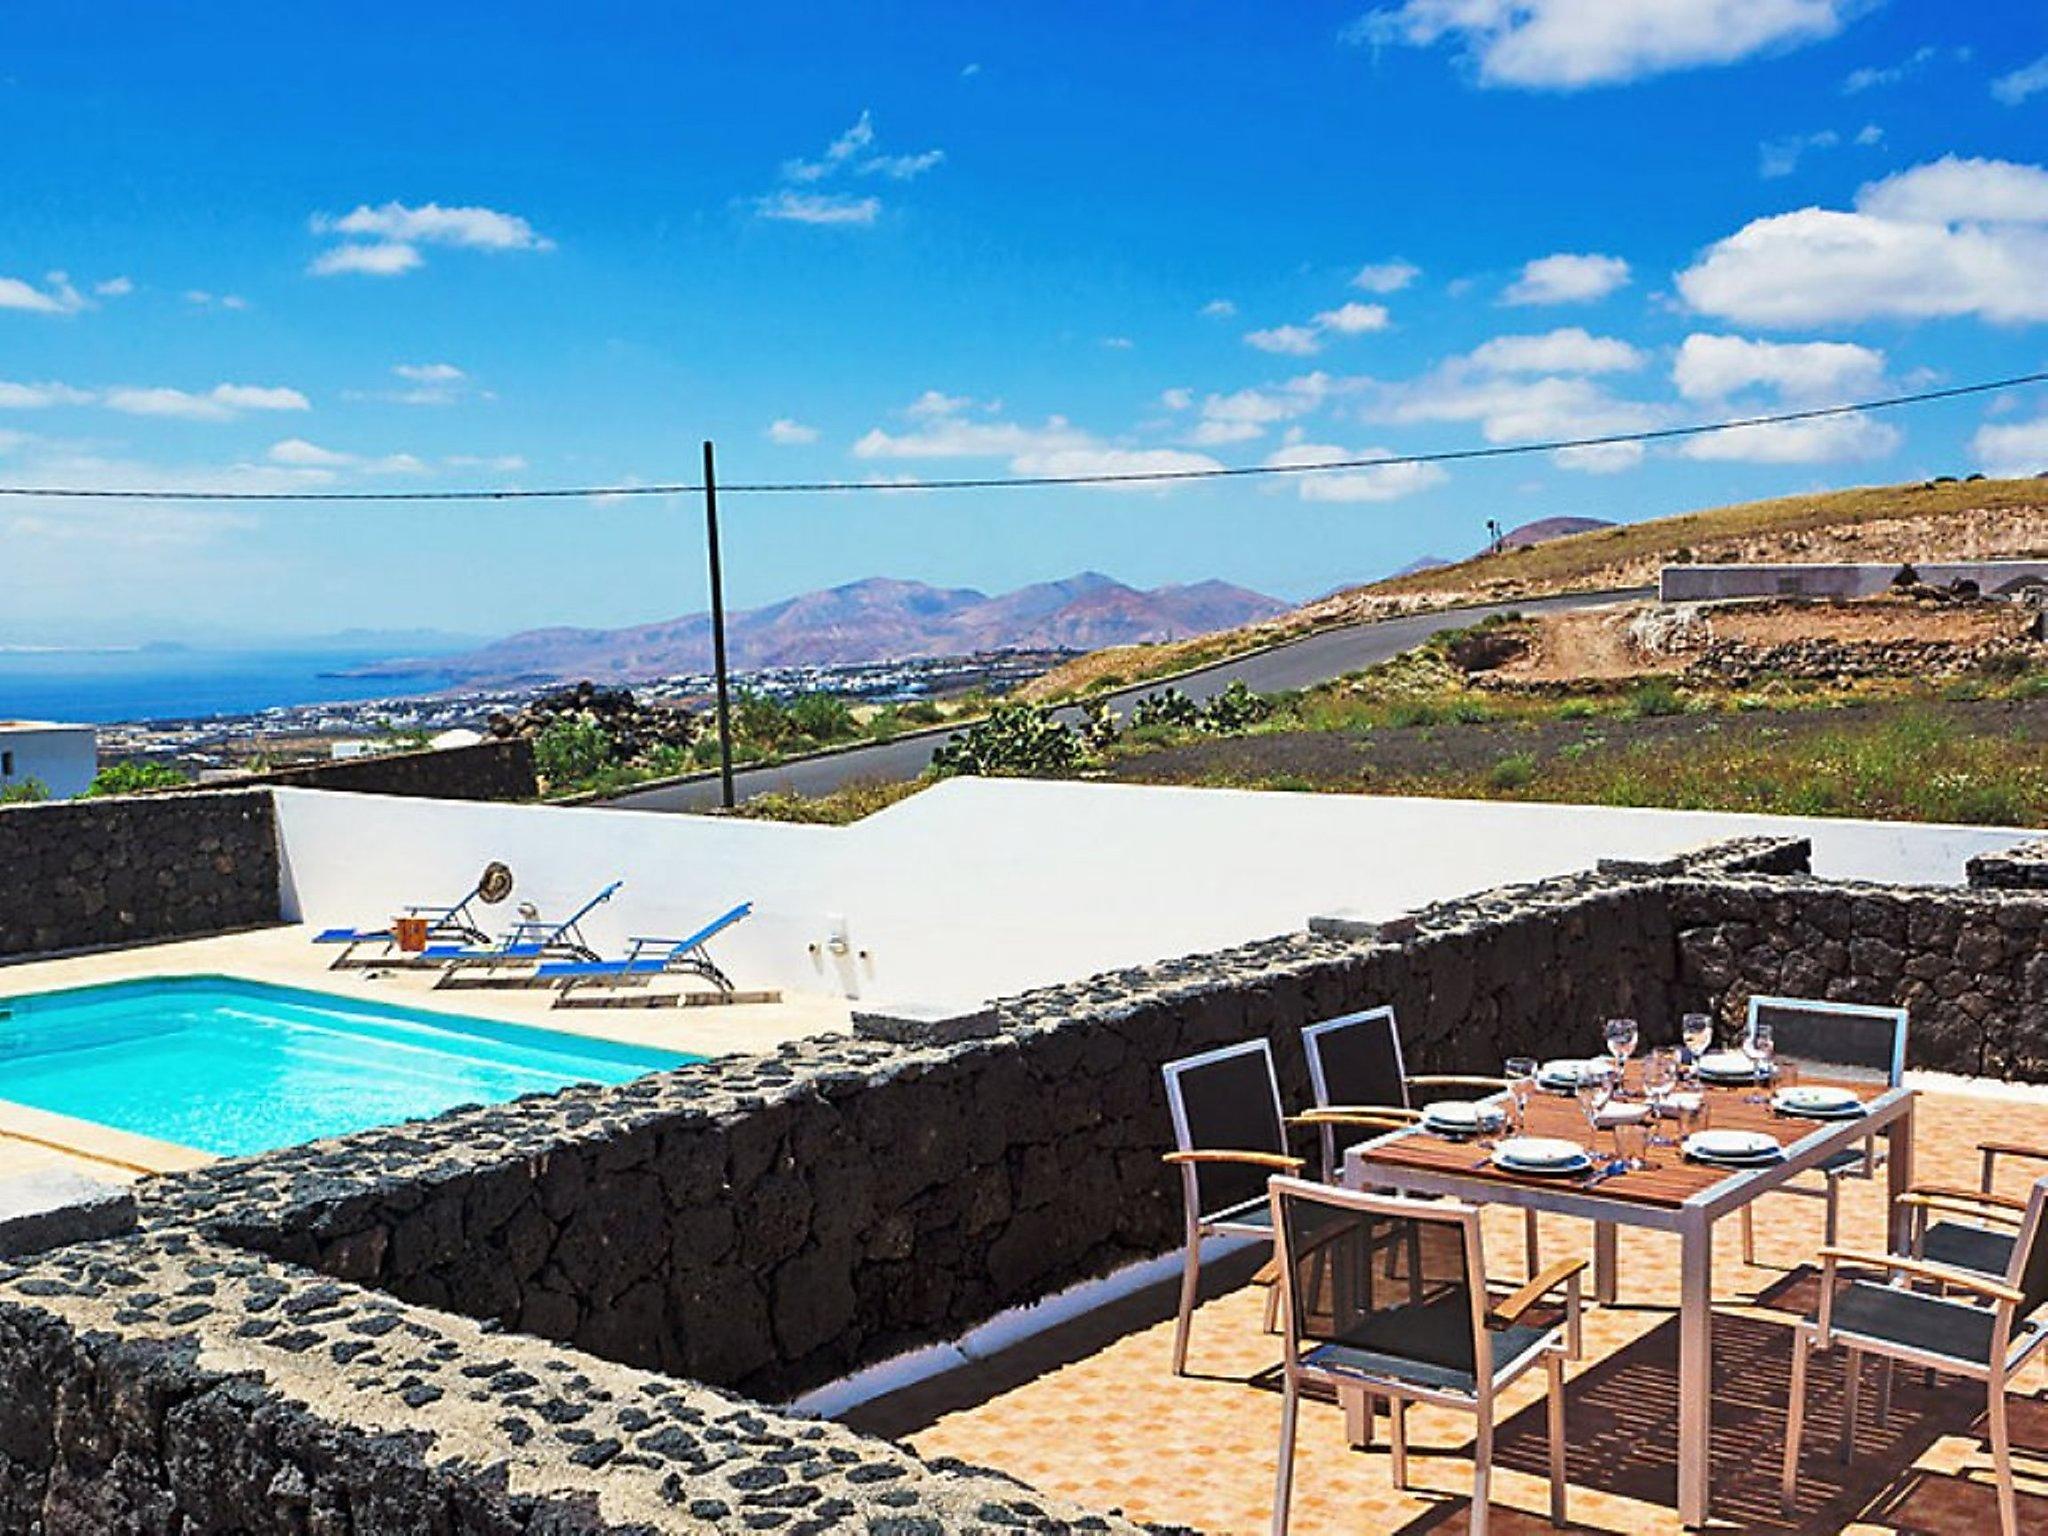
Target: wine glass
x: 1521, y: 1075
x: 1759, y: 1046
x: 1595, y: 1091
x: 1660, y: 1076
x: 1621, y: 1044
x: 1697, y: 1031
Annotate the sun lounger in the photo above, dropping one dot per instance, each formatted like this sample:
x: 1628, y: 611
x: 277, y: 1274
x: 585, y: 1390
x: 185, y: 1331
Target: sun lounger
x: 646, y: 958
x: 524, y: 944
x: 456, y: 922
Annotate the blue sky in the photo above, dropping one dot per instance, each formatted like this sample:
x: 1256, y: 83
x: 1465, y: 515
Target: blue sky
x: 330, y: 247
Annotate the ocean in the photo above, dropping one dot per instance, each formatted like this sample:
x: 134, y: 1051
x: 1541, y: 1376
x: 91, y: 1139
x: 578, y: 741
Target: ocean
x: 173, y: 683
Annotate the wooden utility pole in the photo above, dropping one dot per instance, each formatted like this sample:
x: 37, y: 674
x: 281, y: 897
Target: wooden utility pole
x: 718, y: 630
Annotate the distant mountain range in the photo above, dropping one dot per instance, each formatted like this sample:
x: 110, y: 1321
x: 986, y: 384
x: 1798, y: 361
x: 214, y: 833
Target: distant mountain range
x: 878, y: 619
x: 1544, y: 528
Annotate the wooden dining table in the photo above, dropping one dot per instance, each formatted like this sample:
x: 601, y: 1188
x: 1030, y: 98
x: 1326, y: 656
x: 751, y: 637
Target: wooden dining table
x: 1675, y: 1194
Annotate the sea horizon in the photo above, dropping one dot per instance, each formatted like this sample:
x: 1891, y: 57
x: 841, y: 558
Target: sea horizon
x: 103, y: 686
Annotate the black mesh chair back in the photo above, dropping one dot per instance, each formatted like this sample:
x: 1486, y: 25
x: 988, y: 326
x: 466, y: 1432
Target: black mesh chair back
x: 1227, y: 1101
x: 1857, y: 1041
x: 1393, y: 1289
x: 1356, y: 1060
x: 2029, y: 1273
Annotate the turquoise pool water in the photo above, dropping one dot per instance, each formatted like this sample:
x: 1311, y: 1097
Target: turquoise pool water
x: 234, y: 1067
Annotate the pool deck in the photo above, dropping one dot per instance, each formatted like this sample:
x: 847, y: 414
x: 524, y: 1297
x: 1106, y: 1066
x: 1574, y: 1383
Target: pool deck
x: 33, y: 1142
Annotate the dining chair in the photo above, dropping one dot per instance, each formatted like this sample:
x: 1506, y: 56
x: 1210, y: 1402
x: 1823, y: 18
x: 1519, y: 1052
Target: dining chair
x: 1361, y: 1082
x: 1229, y: 1137
x: 1974, y: 1325
x: 1854, y: 1042
x: 1427, y: 1329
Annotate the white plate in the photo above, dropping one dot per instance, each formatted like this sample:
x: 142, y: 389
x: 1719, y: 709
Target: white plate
x: 1622, y: 1114
x: 1563, y: 1074
x: 1727, y: 1067
x: 1816, y: 1100
x: 1732, y: 1146
x: 1540, y: 1154
x: 1457, y: 1117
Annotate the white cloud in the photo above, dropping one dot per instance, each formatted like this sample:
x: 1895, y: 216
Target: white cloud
x: 58, y: 298
x: 1118, y: 343
x: 1735, y: 375
x: 1385, y: 276
x: 1246, y: 413
x: 1571, y: 44
x: 1351, y: 485
x: 1873, y: 75
x: 942, y: 430
x: 2028, y: 80
x: 1952, y: 237
x: 114, y: 287
x: 903, y: 167
x: 1353, y: 319
x: 1804, y: 372
x: 1777, y: 158
x: 503, y: 462
x: 472, y: 228
x: 1289, y: 340
x: 1176, y: 399
x: 1511, y: 407
x: 1569, y: 349
x: 936, y: 403
x: 35, y: 397
x: 199, y: 298
x: 847, y: 155
x: 1219, y: 309
x: 366, y: 260
x: 430, y: 384
x: 819, y: 208
x: 1567, y: 278
x: 2010, y: 450
x: 220, y: 403
x: 298, y: 452
x: 1952, y: 190
x: 1600, y: 458
x: 384, y: 241
x: 787, y: 431
x: 429, y: 373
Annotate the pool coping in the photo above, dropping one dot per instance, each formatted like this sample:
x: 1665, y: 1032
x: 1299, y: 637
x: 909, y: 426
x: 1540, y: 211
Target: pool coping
x: 90, y: 1141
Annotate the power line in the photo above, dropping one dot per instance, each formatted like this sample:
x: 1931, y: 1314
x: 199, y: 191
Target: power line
x: 1006, y: 482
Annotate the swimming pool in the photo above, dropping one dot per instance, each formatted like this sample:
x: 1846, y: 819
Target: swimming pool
x: 233, y: 1067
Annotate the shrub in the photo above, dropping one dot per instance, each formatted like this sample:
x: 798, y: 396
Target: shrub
x: 1169, y: 706
x: 1471, y: 711
x: 571, y: 749
x: 24, y: 792
x: 133, y: 776
x: 1234, y: 709
x: 761, y: 720
x: 1578, y: 709
x: 1099, y: 730
x: 919, y: 712
x: 1013, y: 739
x: 1515, y: 771
x: 1414, y: 712
x: 1653, y: 698
x: 823, y: 717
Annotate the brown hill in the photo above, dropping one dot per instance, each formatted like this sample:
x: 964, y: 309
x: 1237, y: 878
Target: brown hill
x: 879, y: 619
x: 1930, y: 520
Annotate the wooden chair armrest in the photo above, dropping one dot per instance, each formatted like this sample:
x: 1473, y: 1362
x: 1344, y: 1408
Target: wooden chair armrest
x: 1458, y: 1080
x: 2014, y: 1149
x: 1975, y: 1207
x: 1277, y: 1161
x: 1385, y: 1119
x: 1961, y: 1279
x: 1508, y: 1311
x: 1959, y: 1192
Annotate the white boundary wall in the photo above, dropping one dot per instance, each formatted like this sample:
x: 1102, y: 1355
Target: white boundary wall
x: 977, y: 888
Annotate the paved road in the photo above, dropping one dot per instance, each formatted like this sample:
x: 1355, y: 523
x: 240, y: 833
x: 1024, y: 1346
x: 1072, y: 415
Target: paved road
x: 1301, y: 663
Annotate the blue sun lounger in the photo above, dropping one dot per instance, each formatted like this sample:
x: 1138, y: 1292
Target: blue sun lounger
x: 646, y: 958
x: 444, y: 923
x: 525, y: 943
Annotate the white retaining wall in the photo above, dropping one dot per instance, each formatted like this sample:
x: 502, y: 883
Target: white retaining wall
x: 977, y: 888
